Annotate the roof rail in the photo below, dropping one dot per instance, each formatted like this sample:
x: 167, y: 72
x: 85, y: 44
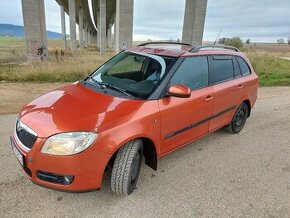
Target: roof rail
x: 196, y: 49
x: 164, y: 43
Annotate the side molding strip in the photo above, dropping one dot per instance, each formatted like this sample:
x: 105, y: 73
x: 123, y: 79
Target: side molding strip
x: 199, y: 122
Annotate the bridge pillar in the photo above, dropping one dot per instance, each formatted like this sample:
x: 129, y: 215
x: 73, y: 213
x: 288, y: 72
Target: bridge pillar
x: 81, y: 27
x: 103, y: 27
x: 98, y: 28
x: 86, y: 34
x: 35, y: 29
x: 109, y: 36
x: 114, y: 36
x: 72, y: 19
x: 124, y: 24
x: 194, y: 19
x: 63, y: 30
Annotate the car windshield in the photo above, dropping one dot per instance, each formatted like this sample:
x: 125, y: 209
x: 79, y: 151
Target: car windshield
x: 132, y: 72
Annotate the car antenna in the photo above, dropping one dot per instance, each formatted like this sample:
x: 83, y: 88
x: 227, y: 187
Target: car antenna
x: 218, y: 36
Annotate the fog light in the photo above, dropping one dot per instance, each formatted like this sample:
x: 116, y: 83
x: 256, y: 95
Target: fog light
x: 55, y: 178
x: 68, y: 179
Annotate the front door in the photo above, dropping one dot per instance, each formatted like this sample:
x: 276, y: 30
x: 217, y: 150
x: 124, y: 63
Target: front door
x: 185, y: 119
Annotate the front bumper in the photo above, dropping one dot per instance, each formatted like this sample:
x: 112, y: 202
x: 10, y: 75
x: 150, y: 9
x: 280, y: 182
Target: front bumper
x: 86, y: 168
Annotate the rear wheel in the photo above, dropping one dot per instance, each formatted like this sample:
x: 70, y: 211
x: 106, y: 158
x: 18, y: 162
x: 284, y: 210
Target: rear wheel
x: 239, y: 119
x: 126, y: 167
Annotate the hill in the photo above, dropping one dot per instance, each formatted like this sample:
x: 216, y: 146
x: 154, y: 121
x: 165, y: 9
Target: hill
x: 18, y: 31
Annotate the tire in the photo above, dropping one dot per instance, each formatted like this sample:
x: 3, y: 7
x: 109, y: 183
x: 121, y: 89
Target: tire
x: 126, y: 167
x: 239, y: 119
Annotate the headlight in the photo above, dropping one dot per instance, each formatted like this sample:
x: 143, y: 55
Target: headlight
x: 68, y: 143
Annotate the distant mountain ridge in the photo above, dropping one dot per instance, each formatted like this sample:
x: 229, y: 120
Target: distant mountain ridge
x: 18, y: 31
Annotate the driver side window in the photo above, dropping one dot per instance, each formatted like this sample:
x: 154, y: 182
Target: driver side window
x: 193, y: 73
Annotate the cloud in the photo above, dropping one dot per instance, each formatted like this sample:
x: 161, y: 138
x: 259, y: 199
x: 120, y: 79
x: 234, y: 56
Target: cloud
x: 260, y: 20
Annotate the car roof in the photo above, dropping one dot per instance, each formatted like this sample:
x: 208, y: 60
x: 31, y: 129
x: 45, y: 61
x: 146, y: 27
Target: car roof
x: 174, y: 49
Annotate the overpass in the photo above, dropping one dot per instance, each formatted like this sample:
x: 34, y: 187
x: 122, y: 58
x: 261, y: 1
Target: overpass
x: 97, y: 28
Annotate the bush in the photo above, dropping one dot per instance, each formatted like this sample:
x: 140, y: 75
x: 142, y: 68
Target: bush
x: 235, y: 41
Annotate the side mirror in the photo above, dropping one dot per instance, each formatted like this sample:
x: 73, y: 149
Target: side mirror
x: 179, y: 91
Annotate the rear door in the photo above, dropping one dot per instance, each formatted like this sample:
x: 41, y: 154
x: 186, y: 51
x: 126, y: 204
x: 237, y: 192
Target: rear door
x: 185, y: 119
x: 225, y: 77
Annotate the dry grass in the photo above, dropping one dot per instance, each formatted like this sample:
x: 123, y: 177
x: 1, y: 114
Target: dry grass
x: 265, y: 58
x: 57, y: 69
x: 70, y: 69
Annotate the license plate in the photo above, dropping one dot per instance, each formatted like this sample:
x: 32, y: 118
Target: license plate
x: 17, y: 153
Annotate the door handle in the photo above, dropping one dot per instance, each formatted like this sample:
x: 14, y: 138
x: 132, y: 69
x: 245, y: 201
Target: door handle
x: 240, y: 86
x: 208, y: 98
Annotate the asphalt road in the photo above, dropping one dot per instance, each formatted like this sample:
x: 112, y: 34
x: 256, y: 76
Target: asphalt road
x: 221, y: 175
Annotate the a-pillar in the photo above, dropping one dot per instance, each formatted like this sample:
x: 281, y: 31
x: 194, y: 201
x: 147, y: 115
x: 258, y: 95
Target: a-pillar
x: 63, y: 30
x: 81, y: 27
x: 72, y: 21
x: 35, y: 29
x: 124, y: 24
x: 194, y: 19
x: 103, y: 27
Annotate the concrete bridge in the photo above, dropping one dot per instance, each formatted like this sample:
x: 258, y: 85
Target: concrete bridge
x: 106, y: 15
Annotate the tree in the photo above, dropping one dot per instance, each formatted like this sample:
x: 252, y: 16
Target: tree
x: 248, y: 41
x: 235, y: 41
x: 288, y: 41
x: 222, y: 40
x: 281, y: 41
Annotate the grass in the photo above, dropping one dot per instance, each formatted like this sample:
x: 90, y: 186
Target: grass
x: 66, y: 69
x: 272, y: 70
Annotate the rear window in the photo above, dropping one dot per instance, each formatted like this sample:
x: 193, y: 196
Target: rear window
x: 243, y: 66
x: 222, y: 69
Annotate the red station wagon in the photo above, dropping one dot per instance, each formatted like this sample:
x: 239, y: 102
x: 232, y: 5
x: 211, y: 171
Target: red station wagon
x: 144, y: 102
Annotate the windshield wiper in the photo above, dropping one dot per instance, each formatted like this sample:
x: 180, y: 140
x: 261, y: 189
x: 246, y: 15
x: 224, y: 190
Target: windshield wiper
x: 107, y: 85
x: 103, y: 85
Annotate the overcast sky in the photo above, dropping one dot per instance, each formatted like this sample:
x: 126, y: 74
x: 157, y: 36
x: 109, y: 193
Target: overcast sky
x: 259, y: 20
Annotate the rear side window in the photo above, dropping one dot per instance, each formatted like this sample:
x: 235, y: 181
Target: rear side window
x: 237, y: 68
x: 243, y: 66
x: 193, y: 73
x: 222, y: 69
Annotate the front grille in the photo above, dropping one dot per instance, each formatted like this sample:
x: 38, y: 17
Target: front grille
x: 25, y: 137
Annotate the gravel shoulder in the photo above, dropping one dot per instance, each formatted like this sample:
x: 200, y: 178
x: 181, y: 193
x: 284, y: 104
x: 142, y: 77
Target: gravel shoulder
x: 13, y: 96
x: 221, y: 175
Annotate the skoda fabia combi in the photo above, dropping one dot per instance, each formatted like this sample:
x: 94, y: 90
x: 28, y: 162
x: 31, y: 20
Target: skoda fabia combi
x: 143, y: 103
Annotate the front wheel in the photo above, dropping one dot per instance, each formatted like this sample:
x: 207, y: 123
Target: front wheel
x: 126, y: 167
x: 239, y: 119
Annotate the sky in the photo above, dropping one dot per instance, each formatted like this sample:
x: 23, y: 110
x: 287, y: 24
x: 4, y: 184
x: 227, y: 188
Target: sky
x: 259, y: 20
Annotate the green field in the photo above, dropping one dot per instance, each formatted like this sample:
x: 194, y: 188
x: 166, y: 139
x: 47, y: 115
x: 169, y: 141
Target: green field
x: 265, y: 58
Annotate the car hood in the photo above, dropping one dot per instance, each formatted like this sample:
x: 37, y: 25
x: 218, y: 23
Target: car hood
x: 76, y: 108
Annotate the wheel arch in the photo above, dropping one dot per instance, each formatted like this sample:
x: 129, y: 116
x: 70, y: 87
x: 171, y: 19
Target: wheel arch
x: 248, y: 103
x: 149, y: 152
